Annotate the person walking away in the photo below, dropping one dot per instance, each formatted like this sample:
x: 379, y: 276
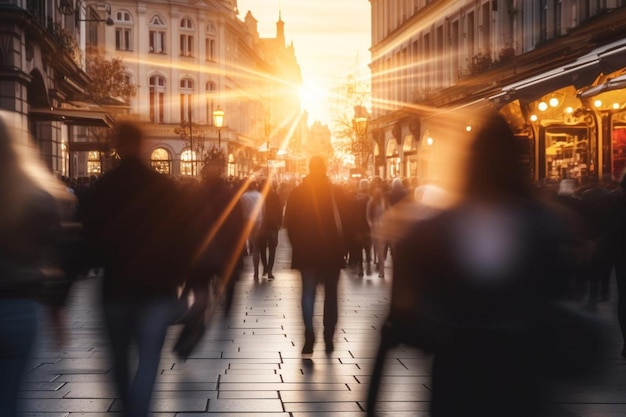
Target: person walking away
x: 252, y: 206
x: 130, y: 221
x: 270, y: 226
x: 316, y: 221
x: 376, y: 208
x: 216, y: 233
x: 362, y: 237
x: 33, y: 205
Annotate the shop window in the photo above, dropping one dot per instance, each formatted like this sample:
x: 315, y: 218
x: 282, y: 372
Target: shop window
x: 569, y: 153
x: 161, y: 161
x: 94, y: 165
x: 619, y: 151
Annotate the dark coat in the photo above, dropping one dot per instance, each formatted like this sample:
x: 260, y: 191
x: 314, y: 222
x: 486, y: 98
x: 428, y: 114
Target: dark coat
x: 273, y: 213
x: 131, y: 218
x: 314, y: 234
x: 484, y: 358
x: 214, y: 230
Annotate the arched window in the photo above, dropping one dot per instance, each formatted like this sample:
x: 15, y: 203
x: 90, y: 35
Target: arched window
x: 186, y: 37
x: 157, y: 35
x: 209, y: 41
x: 210, y: 101
x: 188, y: 163
x: 123, y: 31
x: 157, y: 99
x: 186, y: 97
x: 161, y: 161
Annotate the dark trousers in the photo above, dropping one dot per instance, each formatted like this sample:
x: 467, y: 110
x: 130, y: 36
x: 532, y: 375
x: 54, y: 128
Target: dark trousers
x: 268, y: 241
x: 143, y: 323
x: 328, y: 277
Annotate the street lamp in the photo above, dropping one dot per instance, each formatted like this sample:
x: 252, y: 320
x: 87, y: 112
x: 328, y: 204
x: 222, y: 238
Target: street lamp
x: 360, y: 127
x: 218, y: 122
x: 67, y: 8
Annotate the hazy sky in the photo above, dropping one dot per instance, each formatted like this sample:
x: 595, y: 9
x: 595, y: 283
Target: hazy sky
x: 331, y: 40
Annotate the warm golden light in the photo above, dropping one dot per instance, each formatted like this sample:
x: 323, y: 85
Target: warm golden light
x: 218, y: 117
x: 616, y: 106
x: 554, y: 102
x: 468, y: 128
x: 569, y: 110
x: 543, y: 106
x: 429, y: 141
x: 597, y: 103
x: 533, y: 117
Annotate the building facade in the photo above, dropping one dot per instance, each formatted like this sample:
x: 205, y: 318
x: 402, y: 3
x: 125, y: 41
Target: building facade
x: 188, y: 59
x: 42, y: 77
x: 554, y: 68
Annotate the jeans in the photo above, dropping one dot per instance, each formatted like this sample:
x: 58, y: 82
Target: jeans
x: 329, y: 278
x: 144, y: 323
x: 18, y: 328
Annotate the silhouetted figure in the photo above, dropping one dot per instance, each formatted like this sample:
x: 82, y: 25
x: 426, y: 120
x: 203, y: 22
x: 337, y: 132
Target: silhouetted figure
x: 362, y: 242
x: 33, y: 205
x: 618, y: 240
x: 252, y: 206
x: 376, y: 208
x: 217, y: 236
x: 316, y: 222
x: 131, y: 218
x: 270, y: 226
x: 476, y: 285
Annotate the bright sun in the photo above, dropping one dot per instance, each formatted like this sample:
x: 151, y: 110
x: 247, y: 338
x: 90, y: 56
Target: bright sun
x: 314, y: 99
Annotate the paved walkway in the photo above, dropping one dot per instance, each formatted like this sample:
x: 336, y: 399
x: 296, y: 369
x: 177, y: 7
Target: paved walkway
x: 249, y: 364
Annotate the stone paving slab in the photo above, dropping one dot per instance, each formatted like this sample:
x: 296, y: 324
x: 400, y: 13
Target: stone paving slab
x: 249, y: 363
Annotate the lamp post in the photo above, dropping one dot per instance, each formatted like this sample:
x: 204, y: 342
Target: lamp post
x: 67, y: 8
x: 361, y: 149
x: 218, y: 122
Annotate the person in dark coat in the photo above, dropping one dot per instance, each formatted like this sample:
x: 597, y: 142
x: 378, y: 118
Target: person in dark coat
x: 33, y: 207
x: 483, y: 267
x: 130, y: 218
x: 362, y: 237
x: 271, y: 224
x: 216, y: 235
x: 316, y: 220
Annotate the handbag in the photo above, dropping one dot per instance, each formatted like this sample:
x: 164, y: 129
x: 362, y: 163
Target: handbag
x: 193, y: 326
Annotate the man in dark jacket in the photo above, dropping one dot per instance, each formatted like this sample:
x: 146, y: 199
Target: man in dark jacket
x: 316, y: 219
x: 129, y: 219
x: 216, y: 234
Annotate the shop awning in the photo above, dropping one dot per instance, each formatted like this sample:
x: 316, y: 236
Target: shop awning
x: 81, y: 117
x: 580, y: 73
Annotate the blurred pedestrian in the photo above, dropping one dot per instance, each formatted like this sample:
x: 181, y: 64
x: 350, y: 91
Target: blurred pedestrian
x: 217, y: 232
x: 131, y: 218
x: 376, y: 208
x: 398, y: 191
x: 362, y: 237
x: 316, y: 222
x: 253, y: 207
x: 33, y: 205
x: 477, y: 284
x: 270, y: 226
x: 619, y: 241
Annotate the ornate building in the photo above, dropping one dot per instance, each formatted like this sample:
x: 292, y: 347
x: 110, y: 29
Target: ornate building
x: 187, y: 59
x: 42, y: 77
x: 555, y: 68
